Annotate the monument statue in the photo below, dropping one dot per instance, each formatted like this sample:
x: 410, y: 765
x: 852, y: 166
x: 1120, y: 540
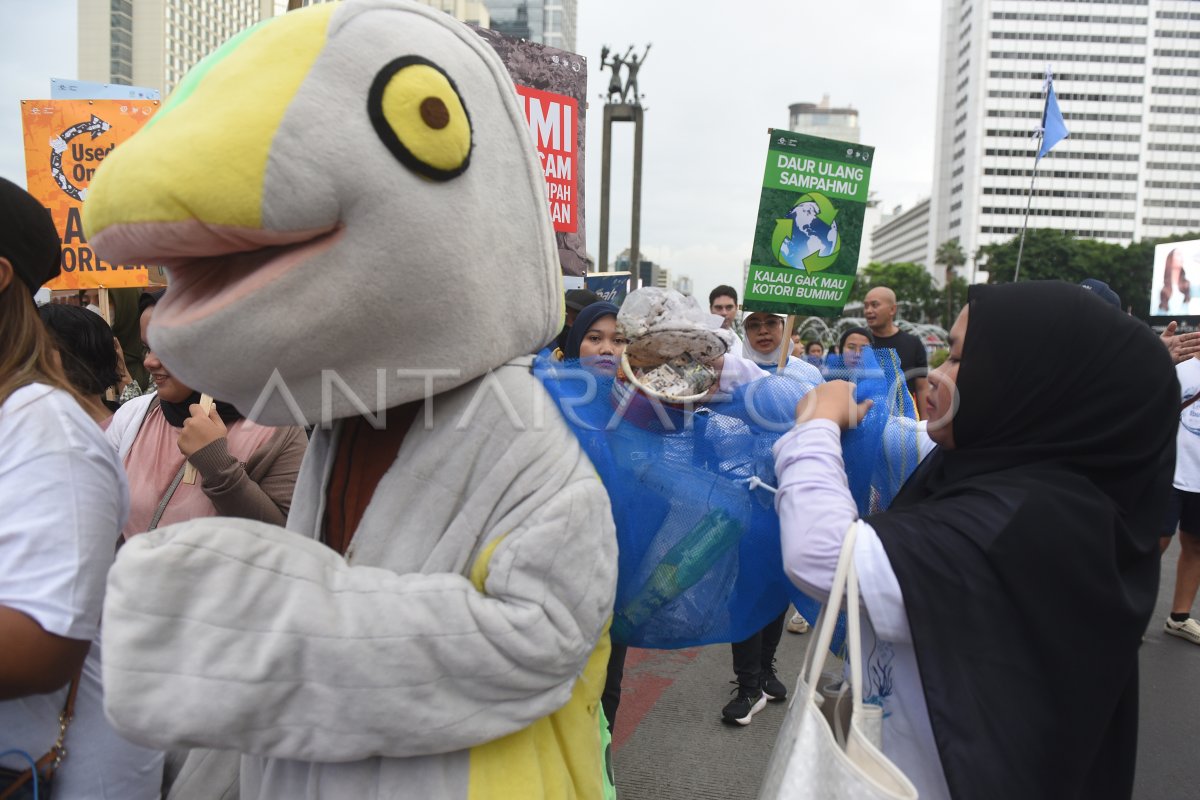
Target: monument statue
x: 630, y: 93
x: 615, y: 85
x: 624, y: 104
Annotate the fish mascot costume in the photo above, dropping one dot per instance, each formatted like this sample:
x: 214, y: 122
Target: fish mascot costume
x: 338, y: 195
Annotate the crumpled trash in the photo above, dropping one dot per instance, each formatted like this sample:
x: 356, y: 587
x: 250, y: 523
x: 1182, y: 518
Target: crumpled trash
x: 681, y: 377
x: 673, y: 341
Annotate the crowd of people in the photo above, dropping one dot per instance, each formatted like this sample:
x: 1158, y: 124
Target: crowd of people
x: 881, y: 331
x: 1028, y: 509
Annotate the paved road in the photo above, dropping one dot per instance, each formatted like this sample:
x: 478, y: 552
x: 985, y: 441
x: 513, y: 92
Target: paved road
x: 1170, y: 705
x: 670, y: 743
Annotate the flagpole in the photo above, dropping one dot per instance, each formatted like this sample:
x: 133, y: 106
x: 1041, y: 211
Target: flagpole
x: 1033, y: 177
x: 1025, y: 223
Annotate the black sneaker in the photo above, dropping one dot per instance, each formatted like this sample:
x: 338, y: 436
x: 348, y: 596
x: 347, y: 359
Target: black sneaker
x: 772, y: 687
x: 740, y: 709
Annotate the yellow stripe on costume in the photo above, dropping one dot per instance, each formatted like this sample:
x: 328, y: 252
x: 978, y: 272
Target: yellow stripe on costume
x: 227, y: 115
x: 558, y: 756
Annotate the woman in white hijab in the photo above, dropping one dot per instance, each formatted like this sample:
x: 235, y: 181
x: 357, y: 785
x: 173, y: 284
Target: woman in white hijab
x: 763, y: 344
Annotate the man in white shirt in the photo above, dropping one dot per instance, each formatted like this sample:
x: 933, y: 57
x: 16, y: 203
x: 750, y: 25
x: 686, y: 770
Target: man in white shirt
x: 1183, y: 511
x: 723, y: 301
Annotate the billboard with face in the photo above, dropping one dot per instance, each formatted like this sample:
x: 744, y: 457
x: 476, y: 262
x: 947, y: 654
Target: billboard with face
x: 1176, y: 266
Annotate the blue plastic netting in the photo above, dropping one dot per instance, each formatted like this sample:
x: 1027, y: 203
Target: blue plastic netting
x: 700, y: 559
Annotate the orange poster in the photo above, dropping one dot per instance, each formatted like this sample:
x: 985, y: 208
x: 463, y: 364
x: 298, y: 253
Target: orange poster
x: 65, y: 141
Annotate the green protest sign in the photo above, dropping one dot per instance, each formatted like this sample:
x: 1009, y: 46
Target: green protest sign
x: 810, y: 220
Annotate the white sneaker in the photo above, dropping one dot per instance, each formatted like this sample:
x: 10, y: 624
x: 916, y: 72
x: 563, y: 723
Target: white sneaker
x: 1188, y: 629
x: 798, y: 624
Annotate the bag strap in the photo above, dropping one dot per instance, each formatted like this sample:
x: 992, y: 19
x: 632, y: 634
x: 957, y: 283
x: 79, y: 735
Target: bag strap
x: 827, y: 621
x: 48, y: 763
x: 1188, y: 402
x: 166, y: 498
x: 854, y: 633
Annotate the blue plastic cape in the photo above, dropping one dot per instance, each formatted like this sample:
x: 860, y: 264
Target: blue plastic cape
x: 700, y: 559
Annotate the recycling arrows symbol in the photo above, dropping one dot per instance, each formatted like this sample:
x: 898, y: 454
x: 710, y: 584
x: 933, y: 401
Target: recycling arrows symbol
x: 827, y: 212
x: 813, y: 262
x: 95, y: 126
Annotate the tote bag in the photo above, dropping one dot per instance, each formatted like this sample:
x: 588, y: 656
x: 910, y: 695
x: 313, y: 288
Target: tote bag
x: 809, y: 763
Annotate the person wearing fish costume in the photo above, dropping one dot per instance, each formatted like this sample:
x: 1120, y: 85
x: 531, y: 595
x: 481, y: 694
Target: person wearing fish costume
x: 433, y: 623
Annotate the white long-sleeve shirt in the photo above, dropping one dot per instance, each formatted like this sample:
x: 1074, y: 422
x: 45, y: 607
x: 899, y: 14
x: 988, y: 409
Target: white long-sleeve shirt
x: 815, y: 510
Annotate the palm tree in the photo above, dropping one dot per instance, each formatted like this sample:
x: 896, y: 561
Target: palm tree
x: 950, y: 255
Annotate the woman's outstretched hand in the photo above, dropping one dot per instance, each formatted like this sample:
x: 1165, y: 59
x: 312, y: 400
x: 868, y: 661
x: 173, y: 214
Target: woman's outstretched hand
x: 833, y: 401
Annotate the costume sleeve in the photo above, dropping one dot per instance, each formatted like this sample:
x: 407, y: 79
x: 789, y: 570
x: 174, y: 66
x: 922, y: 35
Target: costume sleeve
x: 290, y: 652
x: 228, y: 484
x: 815, y: 510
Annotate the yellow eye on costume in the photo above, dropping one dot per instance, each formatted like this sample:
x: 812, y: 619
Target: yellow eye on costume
x: 417, y: 112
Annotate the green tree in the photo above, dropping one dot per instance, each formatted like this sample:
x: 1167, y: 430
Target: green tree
x: 1055, y: 255
x: 916, y: 295
x: 953, y: 296
x: 951, y: 256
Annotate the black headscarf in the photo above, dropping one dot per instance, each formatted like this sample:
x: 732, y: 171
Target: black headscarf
x: 1028, y: 555
x: 178, y: 413
x: 583, y: 323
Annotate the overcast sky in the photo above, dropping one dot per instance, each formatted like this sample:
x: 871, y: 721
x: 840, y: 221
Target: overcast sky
x: 37, y: 43
x: 718, y: 76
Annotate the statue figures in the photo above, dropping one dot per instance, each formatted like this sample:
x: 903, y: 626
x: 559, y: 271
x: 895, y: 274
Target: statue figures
x: 615, y: 88
x: 631, y: 69
x: 623, y: 91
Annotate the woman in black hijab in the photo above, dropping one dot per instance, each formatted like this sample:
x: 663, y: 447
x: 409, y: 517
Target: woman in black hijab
x: 1033, y: 518
x: 595, y: 340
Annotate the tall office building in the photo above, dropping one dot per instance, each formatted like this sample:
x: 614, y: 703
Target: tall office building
x: 549, y: 22
x: 822, y: 119
x: 1126, y: 78
x: 902, y: 236
x: 649, y: 273
x: 474, y: 12
x: 471, y: 11
x: 154, y: 43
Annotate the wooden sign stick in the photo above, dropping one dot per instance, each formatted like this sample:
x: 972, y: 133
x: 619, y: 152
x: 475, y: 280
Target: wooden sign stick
x: 787, y: 341
x: 189, y: 472
x: 106, y: 311
x: 105, y: 305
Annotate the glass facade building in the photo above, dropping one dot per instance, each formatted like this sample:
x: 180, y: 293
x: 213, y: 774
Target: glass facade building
x: 549, y: 22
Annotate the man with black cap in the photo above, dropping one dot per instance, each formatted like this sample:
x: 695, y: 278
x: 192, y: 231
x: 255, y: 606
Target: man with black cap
x: 576, y: 300
x: 1181, y: 346
x: 1102, y: 290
